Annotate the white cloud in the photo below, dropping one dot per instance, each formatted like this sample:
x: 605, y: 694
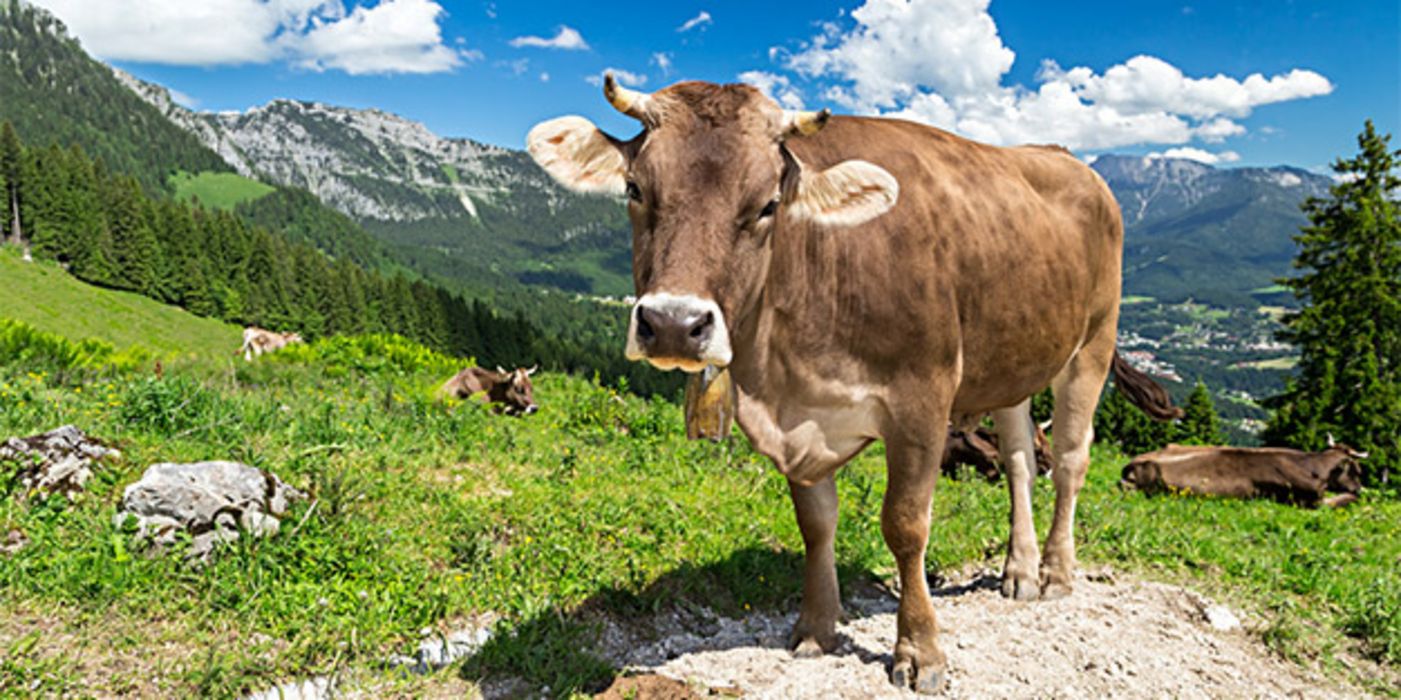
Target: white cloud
x: 1197, y: 154
x: 662, y: 60
x: 776, y: 86
x: 627, y: 78
x: 944, y: 64
x: 395, y: 36
x: 567, y: 39
x: 544, y: 77
x: 700, y: 20
x: 392, y: 36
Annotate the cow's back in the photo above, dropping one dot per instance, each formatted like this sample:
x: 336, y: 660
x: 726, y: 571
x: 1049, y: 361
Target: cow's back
x: 1000, y: 260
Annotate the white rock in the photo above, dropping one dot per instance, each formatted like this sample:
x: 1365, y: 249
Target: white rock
x: 1221, y: 618
x: 319, y: 688
x: 214, y: 501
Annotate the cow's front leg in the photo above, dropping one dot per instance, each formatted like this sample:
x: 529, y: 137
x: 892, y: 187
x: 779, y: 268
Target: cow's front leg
x: 912, y: 470
x: 816, y: 508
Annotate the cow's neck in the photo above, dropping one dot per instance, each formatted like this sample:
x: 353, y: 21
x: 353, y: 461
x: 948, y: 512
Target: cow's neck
x: 792, y: 410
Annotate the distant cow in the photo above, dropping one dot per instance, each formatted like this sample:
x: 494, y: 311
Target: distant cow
x: 257, y: 341
x: 978, y: 449
x: 510, y: 391
x: 1284, y: 475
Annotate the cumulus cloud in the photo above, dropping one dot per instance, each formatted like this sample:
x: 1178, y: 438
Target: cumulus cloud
x: 626, y: 78
x: 944, y: 64
x: 700, y: 20
x: 1197, y: 154
x: 395, y: 36
x: 567, y: 39
x: 662, y: 60
x: 779, y: 87
x: 391, y: 36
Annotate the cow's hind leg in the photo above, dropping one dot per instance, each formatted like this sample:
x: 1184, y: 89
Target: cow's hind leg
x: 912, y: 471
x: 1016, y: 441
x: 1077, y: 390
x: 816, y: 630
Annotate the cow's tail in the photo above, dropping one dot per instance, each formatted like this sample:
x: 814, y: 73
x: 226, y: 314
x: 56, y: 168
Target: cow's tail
x: 1142, y: 391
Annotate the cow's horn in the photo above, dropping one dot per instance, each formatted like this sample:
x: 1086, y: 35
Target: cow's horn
x: 637, y: 105
x: 500, y: 369
x: 798, y: 123
x: 532, y: 370
x: 1331, y: 442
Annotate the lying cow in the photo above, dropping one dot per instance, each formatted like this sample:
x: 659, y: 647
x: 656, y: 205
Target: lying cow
x: 257, y: 341
x: 511, y: 392
x: 978, y: 449
x: 1284, y: 475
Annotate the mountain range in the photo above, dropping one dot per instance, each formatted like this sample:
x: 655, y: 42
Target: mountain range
x: 486, y: 219
x: 1193, y: 231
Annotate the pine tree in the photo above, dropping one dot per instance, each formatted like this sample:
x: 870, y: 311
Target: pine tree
x: 1118, y: 421
x: 1199, y: 425
x: 1348, y: 329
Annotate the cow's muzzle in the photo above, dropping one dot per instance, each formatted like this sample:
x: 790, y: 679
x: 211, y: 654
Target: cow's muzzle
x: 678, y: 331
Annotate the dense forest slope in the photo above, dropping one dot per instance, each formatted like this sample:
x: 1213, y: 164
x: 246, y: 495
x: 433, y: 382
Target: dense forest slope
x: 53, y: 91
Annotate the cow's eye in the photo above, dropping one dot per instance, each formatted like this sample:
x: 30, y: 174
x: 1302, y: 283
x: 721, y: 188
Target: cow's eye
x: 769, y: 209
x: 634, y: 192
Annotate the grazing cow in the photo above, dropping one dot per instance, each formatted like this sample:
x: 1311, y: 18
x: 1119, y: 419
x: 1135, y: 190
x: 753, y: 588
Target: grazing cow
x: 977, y: 448
x: 866, y: 279
x: 257, y: 341
x: 510, y: 392
x: 1284, y: 475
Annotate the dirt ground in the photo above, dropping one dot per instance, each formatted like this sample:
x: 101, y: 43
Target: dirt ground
x: 1121, y: 639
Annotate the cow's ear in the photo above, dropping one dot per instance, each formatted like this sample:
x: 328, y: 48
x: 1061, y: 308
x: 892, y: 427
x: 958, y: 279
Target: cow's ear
x: 578, y: 156
x: 849, y: 193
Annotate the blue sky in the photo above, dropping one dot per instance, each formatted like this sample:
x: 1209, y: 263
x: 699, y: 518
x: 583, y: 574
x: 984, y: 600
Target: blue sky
x: 1135, y: 77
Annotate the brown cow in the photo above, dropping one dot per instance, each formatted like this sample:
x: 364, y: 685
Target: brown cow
x: 865, y: 279
x: 977, y: 448
x: 1284, y: 475
x: 257, y: 341
x: 511, y: 392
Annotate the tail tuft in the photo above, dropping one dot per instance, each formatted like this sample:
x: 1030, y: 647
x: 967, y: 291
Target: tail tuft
x: 1143, y: 392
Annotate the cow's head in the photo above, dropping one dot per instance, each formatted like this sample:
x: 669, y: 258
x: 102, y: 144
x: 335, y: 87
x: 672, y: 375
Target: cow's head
x: 294, y: 338
x: 709, y: 184
x: 1346, y: 474
x: 516, y: 394
x: 1145, y: 475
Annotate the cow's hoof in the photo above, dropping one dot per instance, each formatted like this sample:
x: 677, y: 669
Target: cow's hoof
x: 925, y: 681
x: 1023, y: 588
x: 1055, y: 585
x: 811, y: 646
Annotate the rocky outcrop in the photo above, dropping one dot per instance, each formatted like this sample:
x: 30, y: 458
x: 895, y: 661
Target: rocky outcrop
x: 59, y: 461
x: 213, y: 502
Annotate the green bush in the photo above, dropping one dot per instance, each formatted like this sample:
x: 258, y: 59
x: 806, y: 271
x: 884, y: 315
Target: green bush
x: 25, y: 347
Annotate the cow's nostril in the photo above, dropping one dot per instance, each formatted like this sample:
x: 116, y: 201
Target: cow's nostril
x: 701, y: 327
x: 644, y: 329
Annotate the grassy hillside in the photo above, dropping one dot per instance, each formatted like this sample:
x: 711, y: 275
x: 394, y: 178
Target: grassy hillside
x: 46, y: 297
x: 427, y: 514
x: 217, y: 190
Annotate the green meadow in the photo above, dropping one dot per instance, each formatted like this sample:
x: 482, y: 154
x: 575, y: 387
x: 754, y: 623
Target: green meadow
x: 424, y: 514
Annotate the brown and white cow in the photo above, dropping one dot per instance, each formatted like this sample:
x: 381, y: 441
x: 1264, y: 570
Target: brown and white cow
x: 511, y: 392
x: 865, y: 279
x: 257, y: 341
x: 1284, y: 475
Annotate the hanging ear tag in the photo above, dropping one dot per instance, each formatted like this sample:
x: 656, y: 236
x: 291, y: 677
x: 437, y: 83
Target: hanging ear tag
x: 710, y: 404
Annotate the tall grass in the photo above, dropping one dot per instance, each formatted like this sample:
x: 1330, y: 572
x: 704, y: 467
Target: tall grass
x: 424, y: 513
